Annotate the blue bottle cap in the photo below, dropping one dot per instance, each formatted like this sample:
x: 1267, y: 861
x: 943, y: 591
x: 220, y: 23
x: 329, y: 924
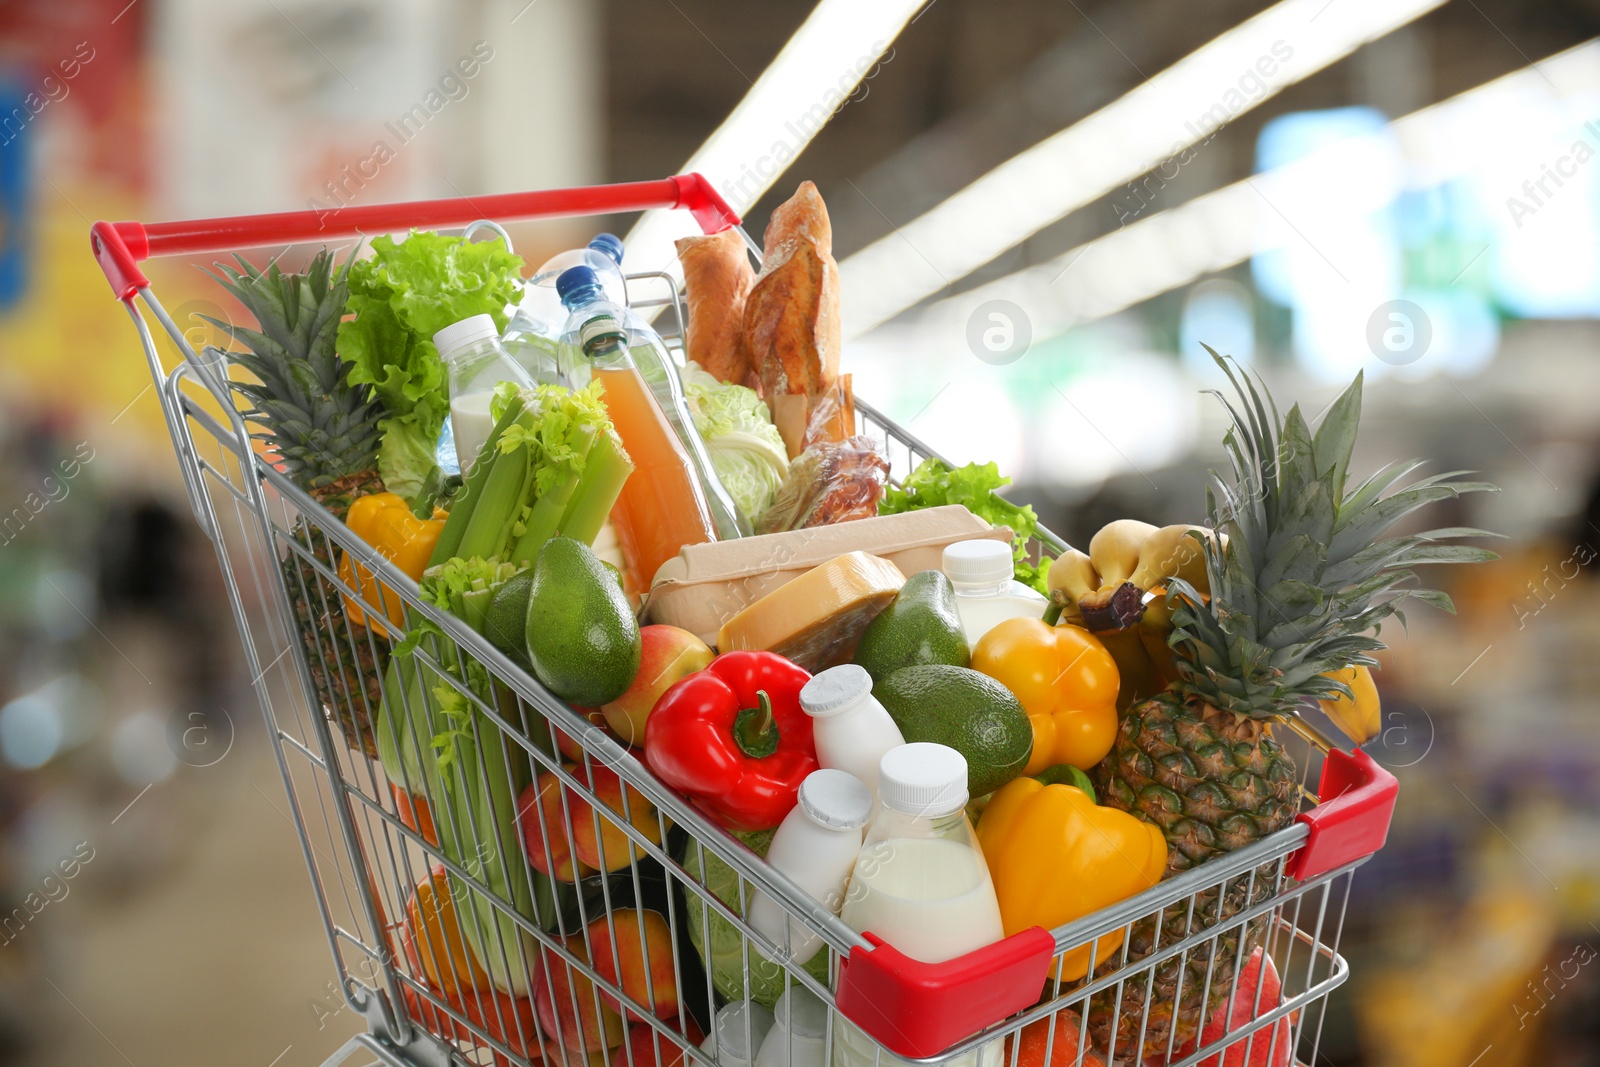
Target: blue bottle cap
x: 573, y: 280
x: 608, y: 244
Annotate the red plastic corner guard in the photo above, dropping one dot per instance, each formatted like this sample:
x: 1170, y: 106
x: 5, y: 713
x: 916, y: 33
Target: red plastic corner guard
x: 920, y: 1009
x: 1357, y: 802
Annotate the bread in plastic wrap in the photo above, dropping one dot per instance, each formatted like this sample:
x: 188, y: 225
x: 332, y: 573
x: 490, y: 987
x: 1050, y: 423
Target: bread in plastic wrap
x: 829, y: 483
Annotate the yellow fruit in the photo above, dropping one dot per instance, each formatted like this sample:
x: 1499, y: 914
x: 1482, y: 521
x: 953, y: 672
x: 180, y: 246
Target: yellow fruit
x: 1360, y: 715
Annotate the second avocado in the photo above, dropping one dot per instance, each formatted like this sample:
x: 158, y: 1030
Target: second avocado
x: 919, y: 626
x: 582, y: 638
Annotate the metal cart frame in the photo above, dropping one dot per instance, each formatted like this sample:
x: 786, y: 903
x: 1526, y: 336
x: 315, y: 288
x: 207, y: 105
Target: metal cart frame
x: 372, y: 858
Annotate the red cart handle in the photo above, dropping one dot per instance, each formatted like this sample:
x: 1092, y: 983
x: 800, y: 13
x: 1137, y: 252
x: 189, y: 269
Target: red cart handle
x: 121, y: 246
x: 918, y: 1010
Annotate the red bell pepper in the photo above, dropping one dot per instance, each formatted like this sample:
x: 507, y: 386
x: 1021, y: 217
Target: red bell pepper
x: 735, y: 739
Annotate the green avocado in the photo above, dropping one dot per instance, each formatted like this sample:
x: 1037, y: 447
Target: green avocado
x: 507, y: 618
x: 970, y: 712
x: 919, y: 626
x: 582, y: 638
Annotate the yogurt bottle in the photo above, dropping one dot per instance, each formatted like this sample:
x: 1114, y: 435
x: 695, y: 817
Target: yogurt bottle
x: 986, y: 593
x: 815, y: 847
x: 851, y: 729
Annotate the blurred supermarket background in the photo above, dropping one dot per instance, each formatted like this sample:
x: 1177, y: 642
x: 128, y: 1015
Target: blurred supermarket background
x: 1407, y: 187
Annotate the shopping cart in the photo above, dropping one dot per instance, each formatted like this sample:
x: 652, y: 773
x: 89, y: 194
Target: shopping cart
x: 627, y: 964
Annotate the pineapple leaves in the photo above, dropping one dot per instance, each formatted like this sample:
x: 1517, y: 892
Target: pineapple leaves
x: 1306, y: 576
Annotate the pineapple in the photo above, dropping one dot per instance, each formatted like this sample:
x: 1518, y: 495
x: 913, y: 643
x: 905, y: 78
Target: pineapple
x: 1297, y: 589
x: 325, y: 431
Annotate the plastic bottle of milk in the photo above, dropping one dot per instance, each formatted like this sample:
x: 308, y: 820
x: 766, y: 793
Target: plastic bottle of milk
x: 737, y: 1034
x: 986, y: 594
x: 851, y: 729
x: 816, y: 847
x: 471, y: 350
x: 920, y: 882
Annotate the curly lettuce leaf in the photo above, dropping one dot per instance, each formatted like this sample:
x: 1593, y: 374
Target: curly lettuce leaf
x: 401, y: 297
x: 746, y: 449
x: 934, y: 484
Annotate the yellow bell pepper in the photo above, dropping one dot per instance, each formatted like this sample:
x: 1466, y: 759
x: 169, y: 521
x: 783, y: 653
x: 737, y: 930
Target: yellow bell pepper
x: 1055, y: 856
x: 1065, y: 680
x: 384, y: 521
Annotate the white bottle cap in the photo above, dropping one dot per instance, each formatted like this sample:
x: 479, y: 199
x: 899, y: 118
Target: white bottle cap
x: 836, y: 800
x: 460, y: 335
x: 982, y: 561
x: 923, y: 778
x: 835, y: 689
x: 801, y: 1012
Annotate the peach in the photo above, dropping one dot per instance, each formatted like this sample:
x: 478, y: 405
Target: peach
x: 558, y: 816
x: 1268, y: 1047
x: 642, y: 1042
x: 666, y: 655
x: 633, y: 951
x: 1061, y: 1034
x: 433, y: 938
x: 571, y: 1012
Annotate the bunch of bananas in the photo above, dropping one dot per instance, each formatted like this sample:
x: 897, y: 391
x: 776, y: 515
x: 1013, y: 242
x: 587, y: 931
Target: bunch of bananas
x: 1117, y: 591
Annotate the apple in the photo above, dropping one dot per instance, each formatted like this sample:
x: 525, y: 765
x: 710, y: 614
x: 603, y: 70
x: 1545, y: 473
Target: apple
x: 503, y: 1017
x: 570, y: 1011
x: 641, y: 943
x: 1262, y: 1048
x: 570, y: 746
x: 667, y: 653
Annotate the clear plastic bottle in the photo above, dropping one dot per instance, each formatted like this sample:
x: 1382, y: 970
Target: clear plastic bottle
x: 660, y: 373
x: 815, y: 847
x: 986, y: 593
x: 851, y: 729
x: 477, y: 363
x: 920, y: 882
x: 662, y: 507
x: 534, y: 334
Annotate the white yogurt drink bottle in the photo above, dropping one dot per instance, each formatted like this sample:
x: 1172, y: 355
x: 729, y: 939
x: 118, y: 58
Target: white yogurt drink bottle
x: 815, y: 847
x: 920, y: 882
x: 851, y: 729
x: 986, y: 593
x: 471, y: 351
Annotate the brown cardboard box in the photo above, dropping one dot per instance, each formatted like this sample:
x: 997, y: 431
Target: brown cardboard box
x: 706, y: 585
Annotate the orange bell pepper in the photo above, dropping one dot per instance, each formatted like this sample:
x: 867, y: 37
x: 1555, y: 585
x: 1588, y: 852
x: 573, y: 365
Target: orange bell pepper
x: 1055, y: 856
x: 1065, y: 680
x: 384, y: 521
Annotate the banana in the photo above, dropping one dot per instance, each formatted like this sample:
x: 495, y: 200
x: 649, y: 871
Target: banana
x: 1359, y: 715
x: 1072, y: 577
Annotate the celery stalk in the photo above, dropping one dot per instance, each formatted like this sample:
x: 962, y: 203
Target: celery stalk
x: 544, y: 522
x: 607, y: 468
x: 498, y: 506
x: 466, y: 501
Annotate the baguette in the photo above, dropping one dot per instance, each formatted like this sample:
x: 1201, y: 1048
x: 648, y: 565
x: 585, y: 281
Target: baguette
x: 717, y: 279
x: 791, y: 317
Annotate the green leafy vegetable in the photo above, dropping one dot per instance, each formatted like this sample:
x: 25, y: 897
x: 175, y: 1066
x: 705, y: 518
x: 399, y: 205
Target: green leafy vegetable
x: 746, y: 449
x: 934, y: 484
x: 401, y: 297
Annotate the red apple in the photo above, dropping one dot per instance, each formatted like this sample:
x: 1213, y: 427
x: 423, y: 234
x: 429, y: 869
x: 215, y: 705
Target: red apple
x: 667, y: 654
x: 555, y: 815
x: 1270, y: 1046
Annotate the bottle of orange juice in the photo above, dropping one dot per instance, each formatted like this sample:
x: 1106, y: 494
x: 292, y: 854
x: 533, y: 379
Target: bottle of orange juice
x: 662, y: 506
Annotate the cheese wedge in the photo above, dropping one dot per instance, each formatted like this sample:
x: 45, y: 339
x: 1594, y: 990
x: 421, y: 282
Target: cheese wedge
x: 817, y: 619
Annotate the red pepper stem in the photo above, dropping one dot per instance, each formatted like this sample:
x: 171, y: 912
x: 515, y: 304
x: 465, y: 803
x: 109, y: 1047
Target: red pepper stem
x: 754, y: 729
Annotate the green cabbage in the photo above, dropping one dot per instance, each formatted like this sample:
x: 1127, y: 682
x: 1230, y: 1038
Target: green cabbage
x: 408, y: 291
x: 746, y: 449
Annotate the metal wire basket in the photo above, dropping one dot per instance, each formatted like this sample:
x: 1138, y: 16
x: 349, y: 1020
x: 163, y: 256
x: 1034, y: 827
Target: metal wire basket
x: 627, y: 961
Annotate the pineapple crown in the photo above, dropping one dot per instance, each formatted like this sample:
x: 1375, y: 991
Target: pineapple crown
x: 322, y: 425
x: 1303, y: 577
